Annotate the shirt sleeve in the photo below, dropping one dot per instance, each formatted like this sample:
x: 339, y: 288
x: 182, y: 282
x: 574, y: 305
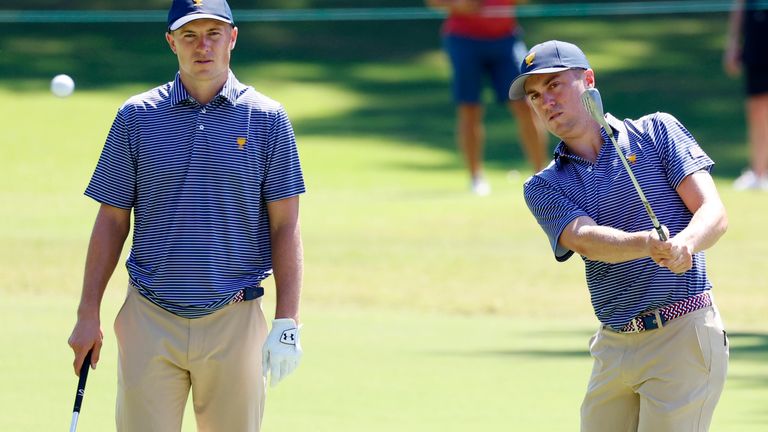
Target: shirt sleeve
x: 552, y: 210
x: 283, y: 175
x: 114, y: 179
x: 680, y: 154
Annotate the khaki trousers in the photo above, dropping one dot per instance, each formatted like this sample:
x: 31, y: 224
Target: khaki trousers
x: 663, y: 380
x: 162, y: 356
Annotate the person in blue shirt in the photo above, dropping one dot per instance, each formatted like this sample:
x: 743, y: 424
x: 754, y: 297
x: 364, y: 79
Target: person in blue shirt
x: 661, y: 352
x: 209, y: 168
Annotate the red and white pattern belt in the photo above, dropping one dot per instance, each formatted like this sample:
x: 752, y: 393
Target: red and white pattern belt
x: 657, y: 318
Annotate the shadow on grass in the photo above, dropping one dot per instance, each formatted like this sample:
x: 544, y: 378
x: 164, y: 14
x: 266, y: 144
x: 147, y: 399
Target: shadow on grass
x: 752, y: 347
x: 749, y: 346
x: 650, y: 64
x: 555, y: 337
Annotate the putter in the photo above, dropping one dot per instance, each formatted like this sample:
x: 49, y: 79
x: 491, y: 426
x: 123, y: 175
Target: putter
x: 80, y: 391
x: 594, y: 105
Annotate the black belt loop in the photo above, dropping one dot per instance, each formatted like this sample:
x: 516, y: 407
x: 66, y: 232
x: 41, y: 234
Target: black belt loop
x: 251, y: 293
x: 246, y: 294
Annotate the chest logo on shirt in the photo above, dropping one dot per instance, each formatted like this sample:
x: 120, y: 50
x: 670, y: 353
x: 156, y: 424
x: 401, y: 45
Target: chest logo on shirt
x: 632, y: 158
x: 241, y: 142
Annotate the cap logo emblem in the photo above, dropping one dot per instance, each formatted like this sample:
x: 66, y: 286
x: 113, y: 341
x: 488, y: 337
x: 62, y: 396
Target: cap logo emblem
x: 198, y: 3
x: 529, y: 58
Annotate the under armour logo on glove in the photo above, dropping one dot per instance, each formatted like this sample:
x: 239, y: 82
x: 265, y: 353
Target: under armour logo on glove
x: 288, y: 337
x: 282, y: 350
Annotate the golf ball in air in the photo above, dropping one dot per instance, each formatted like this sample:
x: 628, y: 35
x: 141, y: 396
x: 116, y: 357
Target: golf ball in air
x: 62, y: 85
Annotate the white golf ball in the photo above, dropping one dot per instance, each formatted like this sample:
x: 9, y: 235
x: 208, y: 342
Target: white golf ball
x: 62, y: 85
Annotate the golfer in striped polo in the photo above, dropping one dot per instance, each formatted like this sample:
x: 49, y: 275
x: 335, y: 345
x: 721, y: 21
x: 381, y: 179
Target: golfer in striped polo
x: 210, y: 169
x: 661, y: 352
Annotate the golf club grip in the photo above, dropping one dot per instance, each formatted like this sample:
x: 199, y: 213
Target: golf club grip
x: 660, y: 232
x: 81, y: 383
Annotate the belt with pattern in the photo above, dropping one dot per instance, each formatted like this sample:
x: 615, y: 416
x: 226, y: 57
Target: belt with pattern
x: 657, y: 318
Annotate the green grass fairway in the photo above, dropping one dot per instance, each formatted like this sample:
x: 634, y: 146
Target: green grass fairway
x: 425, y: 308
x: 370, y: 369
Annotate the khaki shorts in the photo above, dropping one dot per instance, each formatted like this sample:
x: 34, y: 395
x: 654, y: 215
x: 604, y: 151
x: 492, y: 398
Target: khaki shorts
x: 663, y: 380
x: 162, y: 356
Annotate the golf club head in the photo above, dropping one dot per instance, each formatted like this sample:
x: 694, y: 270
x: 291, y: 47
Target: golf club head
x: 594, y: 104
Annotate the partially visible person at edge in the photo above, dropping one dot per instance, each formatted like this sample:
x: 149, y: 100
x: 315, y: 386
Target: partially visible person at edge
x: 483, y: 40
x: 747, y: 49
x: 661, y: 351
x: 210, y: 168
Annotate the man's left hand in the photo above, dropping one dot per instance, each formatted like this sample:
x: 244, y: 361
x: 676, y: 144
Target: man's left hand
x: 282, y: 350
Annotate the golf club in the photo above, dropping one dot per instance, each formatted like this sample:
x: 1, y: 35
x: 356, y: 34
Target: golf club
x: 594, y: 104
x: 80, y: 390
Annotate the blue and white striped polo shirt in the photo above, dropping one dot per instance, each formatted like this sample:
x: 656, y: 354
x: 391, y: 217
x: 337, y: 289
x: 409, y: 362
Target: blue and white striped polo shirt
x: 661, y: 153
x: 198, y: 179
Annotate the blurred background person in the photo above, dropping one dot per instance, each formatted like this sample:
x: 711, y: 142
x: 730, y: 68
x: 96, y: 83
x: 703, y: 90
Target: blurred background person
x: 483, y: 39
x: 747, y: 50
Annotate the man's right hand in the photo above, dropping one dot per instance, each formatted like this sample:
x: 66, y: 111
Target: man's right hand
x: 85, y: 336
x: 732, y: 61
x: 673, y: 253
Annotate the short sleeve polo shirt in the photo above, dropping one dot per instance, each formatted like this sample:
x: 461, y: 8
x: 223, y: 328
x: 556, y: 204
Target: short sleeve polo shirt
x: 661, y: 153
x: 198, y: 178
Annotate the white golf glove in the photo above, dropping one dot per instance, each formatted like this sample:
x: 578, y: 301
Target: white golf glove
x: 282, y: 351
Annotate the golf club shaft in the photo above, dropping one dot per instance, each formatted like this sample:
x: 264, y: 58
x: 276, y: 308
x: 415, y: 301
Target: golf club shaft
x: 594, y: 105
x: 646, y: 204
x: 80, y: 390
x: 73, y: 424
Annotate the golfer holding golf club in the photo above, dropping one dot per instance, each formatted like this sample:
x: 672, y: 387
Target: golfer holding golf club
x: 661, y: 352
x: 210, y: 169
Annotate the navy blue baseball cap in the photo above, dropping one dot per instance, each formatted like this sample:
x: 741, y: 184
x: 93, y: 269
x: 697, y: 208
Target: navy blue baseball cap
x: 547, y: 57
x: 184, y: 11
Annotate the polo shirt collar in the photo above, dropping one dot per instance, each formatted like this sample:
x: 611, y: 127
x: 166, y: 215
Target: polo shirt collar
x: 561, y: 153
x: 229, y: 91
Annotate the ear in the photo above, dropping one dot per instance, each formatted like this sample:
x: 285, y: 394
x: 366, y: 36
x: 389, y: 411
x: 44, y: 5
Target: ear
x: 589, y: 78
x: 171, y: 41
x: 233, y: 39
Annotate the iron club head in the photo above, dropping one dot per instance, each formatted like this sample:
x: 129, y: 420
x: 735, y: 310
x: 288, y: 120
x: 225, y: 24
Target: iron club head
x: 594, y: 105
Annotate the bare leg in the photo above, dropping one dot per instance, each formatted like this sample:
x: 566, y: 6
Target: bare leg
x: 757, y: 120
x: 533, y: 136
x: 471, y: 135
